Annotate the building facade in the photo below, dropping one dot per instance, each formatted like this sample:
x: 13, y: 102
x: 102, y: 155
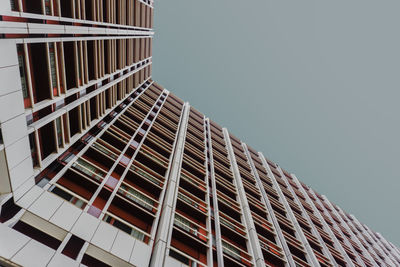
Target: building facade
x: 102, y: 166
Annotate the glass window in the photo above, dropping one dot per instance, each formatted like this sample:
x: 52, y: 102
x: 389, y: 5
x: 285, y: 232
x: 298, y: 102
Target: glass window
x: 22, y: 73
x: 59, y: 132
x: 53, y: 68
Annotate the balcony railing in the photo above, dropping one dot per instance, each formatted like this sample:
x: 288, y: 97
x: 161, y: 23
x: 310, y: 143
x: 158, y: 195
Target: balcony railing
x: 138, y: 197
x: 232, y: 224
x: 271, y: 247
x: 139, y: 169
x: 200, y: 233
x: 197, y: 204
x: 153, y: 156
x: 194, y: 181
x: 127, y: 227
x: 236, y: 253
x: 90, y: 170
x: 102, y: 149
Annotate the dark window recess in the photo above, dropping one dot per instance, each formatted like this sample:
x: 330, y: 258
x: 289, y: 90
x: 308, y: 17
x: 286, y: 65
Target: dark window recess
x: 108, y: 98
x: 66, y: 8
x: 74, y: 121
x: 44, y: 177
x: 107, y: 50
x: 8, y: 210
x: 69, y: 59
x: 93, y: 108
x: 93, y: 262
x: 91, y: 88
x: 71, y: 99
x: 89, y: 9
x: 39, y: 71
x: 179, y: 257
x: 151, y: 164
x: 298, y: 253
x: 37, y: 235
x: 47, y: 140
x: 77, y: 184
x: 33, y: 6
x: 34, y: 154
x: 73, y: 247
x: 14, y: 5
x: 91, y: 58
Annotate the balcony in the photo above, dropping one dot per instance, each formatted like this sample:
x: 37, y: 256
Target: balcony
x: 222, y: 157
x: 223, y: 161
x: 193, y: 185
x: 81, y: 180
x: 232, y: 204
x: 129, y: 127
x: 114, y: 140
x: 168, y: 139
x: 218, y: 140
x: 335, y: 253
x: 171, y: 109
x: 221, y: 149
x: 191, y: 205
x: 300, y: 262
x: 238, y: 255
x: 69, y: 196
x: 151, y: 163
x: 138, y: 197
x: 134, y: 115
x: 159, y: 141
x: 195, y: 166
x: 166, y: 124
x: 195, y: 132
x: 226, y: 188
x: 198, y: 142
x: 184, y: 250
x: 131, y: 212
x: 119, y: 133
x: 85, y: 167
x: 270, y: 191
x: 153, y: 155
x: 128, y: 122
x: 127, y: 227
x: 227, y: 176
x: 232, y: 224
x: 199, y: 233
x: 198, y: 157
x: 194, y: 150
x: 277, y: 206
x: 323, y: 261
x: 162, y: 130
x: 196, y: 126
x: 147, y: 174
x: 168, y: 116
x: 229, y: 213
x: 272, y: 250
x: 293, y: 241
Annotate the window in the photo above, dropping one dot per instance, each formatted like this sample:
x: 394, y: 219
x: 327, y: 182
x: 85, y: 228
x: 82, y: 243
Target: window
x: 127, y: 229
x: 137, y: 197
x: 34, y: 154
x: 53, y: 68
x: 90, y: 170
x: 68, y: 197
x: 22, y: 73
x: 231, y: 250
x: 59, y: 132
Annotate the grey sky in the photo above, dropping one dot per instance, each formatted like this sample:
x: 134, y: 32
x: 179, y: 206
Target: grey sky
x: 314, y: 85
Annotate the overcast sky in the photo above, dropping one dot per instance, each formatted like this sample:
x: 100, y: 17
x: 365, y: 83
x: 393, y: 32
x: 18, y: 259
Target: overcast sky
x: 314, y: 85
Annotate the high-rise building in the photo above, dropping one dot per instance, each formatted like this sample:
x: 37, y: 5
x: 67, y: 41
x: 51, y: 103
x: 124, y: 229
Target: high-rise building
x: 101, y: 166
